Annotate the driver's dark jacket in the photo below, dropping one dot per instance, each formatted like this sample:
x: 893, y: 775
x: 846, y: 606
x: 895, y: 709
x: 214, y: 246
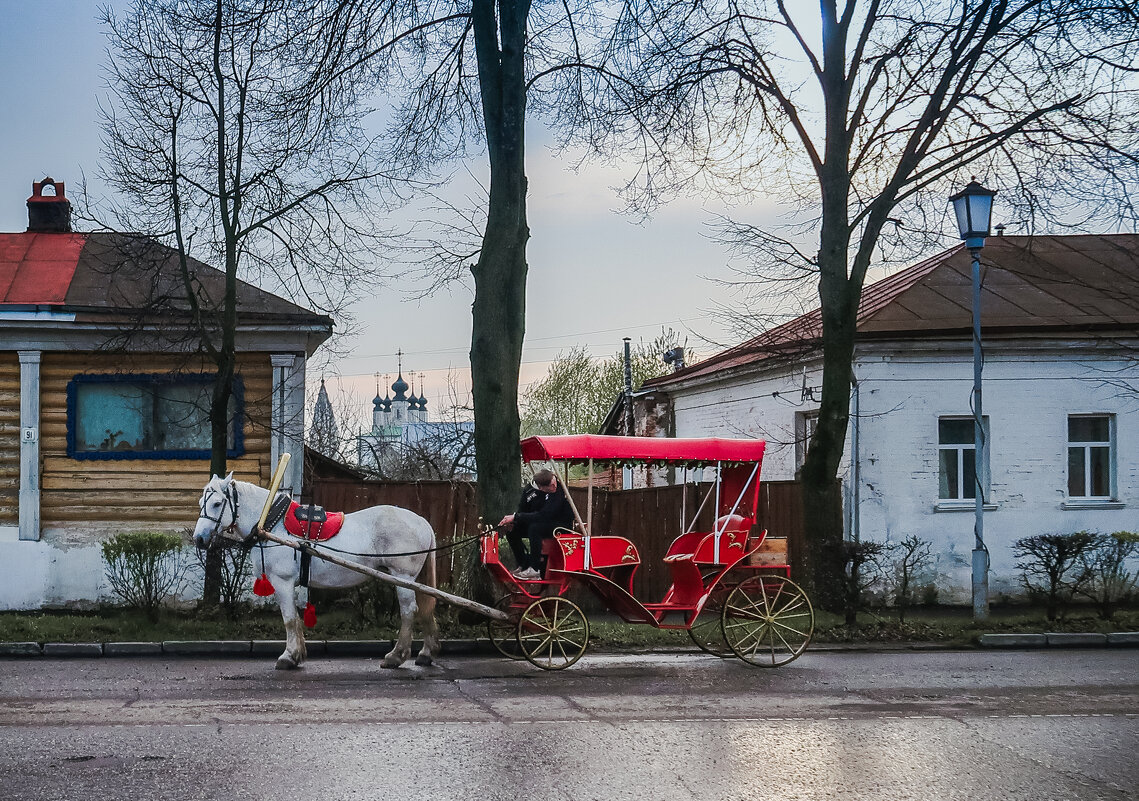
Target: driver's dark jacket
x: 542, y: 512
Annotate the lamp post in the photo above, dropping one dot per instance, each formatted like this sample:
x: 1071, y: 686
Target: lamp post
x: 973, y: 206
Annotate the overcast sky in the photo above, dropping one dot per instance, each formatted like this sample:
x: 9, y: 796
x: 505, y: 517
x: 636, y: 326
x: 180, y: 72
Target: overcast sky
x: 595, y: 274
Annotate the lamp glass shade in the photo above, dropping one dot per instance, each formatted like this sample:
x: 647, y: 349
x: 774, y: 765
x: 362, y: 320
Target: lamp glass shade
x: 973, y: 206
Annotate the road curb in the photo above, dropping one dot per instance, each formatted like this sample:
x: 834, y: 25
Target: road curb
x: 21, y: 649
x: 1076, y: 640
x: 378, y: 648
x: 207, y: 647
x: 68, y: 650
x: 132, y: 649
x: 1013, y: 641
x: 1060, y: 639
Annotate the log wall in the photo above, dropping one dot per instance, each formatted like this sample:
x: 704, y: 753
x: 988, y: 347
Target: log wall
x: 159, y: 491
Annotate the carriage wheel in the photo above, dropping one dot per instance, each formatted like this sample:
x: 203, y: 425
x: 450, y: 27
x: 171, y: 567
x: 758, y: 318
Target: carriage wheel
x: 768, y: 621
x: 553, y: 633
x: 706, y: 631
x: 504, y: 633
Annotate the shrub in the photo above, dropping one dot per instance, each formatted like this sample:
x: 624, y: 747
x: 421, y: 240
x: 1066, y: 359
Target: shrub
x: 1052, y: 567
x: 375, y: 602
x: 1109, y: 580
x: 863, y: 571
x: 144, y: 568
x: 236, y: 572
x: 908, y: 559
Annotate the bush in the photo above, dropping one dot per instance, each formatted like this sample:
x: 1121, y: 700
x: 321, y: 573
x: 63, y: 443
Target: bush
x: 375, y: 602
x: 863, y: 572
x: 236, y: 572
x: 1052, y: 567
x: 144, y: 568
x: 1109, y: 580
x: 909, y: 559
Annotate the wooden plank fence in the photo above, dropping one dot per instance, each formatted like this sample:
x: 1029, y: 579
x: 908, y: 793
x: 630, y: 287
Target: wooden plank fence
x: 650, y: 517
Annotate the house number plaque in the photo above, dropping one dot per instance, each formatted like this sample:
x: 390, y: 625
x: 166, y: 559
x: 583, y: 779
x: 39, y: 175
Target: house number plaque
x: 29, y: 434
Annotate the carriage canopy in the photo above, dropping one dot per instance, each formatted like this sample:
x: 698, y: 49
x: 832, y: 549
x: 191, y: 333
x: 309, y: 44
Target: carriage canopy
x: 581, y: 447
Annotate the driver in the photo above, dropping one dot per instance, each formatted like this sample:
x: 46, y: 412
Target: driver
x: 542, y: 508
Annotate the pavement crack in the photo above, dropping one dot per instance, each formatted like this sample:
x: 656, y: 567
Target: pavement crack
x: 478, y: 702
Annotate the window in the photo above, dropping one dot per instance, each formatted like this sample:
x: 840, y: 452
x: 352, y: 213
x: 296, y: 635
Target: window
x: 805, y: 423
x: 1090, y: 463
x: 124, y: 416
x: 957, y: 458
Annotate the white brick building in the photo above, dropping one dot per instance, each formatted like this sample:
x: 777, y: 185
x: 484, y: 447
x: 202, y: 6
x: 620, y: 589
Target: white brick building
x: 1061, y: 399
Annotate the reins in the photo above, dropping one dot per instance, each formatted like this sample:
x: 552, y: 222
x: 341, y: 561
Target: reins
x: 443, y: 547
x: 251, y: 540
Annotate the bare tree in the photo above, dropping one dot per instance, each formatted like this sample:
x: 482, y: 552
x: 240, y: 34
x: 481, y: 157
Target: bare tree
x: 862, y: 115
x: 212, y: 153
x: 467, y: 74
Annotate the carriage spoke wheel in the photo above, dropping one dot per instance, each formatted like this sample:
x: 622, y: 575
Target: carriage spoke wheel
x: 767, y: 621
x: 553, y: 633
x: 706, y: 631
x: 504, y: 633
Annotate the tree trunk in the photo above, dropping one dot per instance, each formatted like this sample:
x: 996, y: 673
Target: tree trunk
x: 499, y: 313
x: 838, y: 300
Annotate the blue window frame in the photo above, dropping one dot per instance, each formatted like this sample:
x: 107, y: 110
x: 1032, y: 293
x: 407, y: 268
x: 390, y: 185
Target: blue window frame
x: 142, y: 416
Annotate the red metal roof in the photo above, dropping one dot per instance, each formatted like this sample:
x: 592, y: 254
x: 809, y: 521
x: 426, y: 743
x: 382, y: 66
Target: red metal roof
x: 37, y: 268
x: 579, y: 447
x: 105, y: 273
x: 1045, y: 284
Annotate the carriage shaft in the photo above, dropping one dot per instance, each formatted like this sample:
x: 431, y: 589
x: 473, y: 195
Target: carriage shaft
x: 454, y: 600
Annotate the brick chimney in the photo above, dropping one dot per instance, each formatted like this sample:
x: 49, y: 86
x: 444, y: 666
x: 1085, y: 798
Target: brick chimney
x: 49, y: 213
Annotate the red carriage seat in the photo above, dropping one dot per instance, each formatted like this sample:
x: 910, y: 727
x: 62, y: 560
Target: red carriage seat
x: 700, y: 546
x: 691, y: 555
x: 614, y: 558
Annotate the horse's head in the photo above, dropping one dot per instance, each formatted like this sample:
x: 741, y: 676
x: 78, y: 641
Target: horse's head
x: 218, y: 511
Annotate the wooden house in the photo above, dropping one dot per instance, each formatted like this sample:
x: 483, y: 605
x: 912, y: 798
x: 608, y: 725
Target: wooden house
x: 103, y: 419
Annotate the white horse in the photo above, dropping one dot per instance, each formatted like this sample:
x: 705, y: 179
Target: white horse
x: 230, y: 509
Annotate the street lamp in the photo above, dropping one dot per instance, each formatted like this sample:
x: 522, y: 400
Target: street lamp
x: 973, y: 206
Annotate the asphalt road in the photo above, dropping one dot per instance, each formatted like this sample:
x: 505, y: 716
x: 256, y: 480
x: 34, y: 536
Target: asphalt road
x: 1036, y: 725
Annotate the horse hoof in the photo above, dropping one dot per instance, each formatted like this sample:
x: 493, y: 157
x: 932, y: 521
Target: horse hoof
x: 390, y: 663
x: 423, y: 660
x: 284, y: 663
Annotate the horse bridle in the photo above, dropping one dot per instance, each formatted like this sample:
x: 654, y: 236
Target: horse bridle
x: 230, y: 496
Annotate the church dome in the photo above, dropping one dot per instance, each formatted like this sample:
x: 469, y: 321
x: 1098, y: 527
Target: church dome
x: 399, y: 387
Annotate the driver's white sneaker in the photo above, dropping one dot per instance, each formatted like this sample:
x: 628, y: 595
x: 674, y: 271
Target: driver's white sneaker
x: 527, y: 574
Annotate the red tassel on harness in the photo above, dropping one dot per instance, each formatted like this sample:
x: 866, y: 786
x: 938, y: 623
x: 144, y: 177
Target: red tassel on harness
x: 310, y: 616
x: 263, y: 587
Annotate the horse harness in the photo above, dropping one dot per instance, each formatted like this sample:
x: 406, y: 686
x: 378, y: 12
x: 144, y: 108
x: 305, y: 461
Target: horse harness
x: 229, y: 494
x: 308, y: 522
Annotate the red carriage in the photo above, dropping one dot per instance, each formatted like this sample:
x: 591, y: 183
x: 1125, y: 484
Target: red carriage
x: 728, y: 602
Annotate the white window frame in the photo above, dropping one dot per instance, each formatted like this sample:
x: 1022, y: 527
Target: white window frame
x: 1087, y: 447
x: 981, y: 466
x: 805, y: 424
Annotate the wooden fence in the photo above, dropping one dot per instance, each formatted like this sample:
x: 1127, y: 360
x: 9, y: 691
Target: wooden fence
x: 651, y: 517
